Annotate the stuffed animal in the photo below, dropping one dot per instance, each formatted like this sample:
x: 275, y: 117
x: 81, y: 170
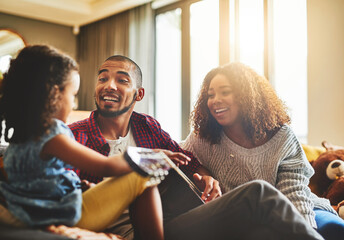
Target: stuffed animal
x: 328, y: 179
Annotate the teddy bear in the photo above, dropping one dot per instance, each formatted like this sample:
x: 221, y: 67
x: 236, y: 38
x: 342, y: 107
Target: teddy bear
x: 328, y: 179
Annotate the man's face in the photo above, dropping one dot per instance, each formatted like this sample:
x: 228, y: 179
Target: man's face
x: 116, y: 90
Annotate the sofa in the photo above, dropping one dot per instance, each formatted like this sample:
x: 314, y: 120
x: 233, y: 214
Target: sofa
x: 7, y: 232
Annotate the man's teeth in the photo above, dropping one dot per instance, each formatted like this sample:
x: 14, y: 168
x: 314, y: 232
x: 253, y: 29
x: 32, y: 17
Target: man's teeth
x: 107, y: 98
x: 220, y: 110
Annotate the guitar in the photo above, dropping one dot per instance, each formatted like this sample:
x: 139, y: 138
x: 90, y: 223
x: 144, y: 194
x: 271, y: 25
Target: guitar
x: 148, y: 163
x: 175, y: 189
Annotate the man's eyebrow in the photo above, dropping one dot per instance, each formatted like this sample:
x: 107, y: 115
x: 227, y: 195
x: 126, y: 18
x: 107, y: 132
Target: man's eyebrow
x: 124, y: 73
x: 119, y: 72
x: 102, y: 70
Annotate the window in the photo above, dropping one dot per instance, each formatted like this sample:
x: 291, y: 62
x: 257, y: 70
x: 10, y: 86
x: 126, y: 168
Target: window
x: 5, y: 63
x: 204, y: 42
x: 249, y: 34
x: 168, y: 72
x: 261, y: 34
x: 289, y: 60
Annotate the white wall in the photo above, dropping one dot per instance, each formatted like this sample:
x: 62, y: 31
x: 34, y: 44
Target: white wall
x: 326, y: 71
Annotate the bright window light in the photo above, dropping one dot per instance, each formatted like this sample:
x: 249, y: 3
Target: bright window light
x: 289, y: 54
x: 204, y: 42
x: 5, y: 63
x: 251, y: 34
x: 168, y: 72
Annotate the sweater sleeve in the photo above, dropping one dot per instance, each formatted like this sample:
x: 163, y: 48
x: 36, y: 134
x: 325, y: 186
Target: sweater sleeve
x: 193, y: 165
x: 293, y: 176
x: 188, y: 143
x: 198, y: 147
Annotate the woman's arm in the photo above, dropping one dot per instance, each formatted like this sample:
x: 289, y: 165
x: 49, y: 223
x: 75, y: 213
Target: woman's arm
x: 293, y: 179
x: 203, y: 177
x: 79, y: 156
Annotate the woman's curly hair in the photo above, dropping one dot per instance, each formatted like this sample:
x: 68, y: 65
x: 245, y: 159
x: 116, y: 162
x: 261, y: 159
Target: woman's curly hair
x: 28, y: 91
x: 261, y: 111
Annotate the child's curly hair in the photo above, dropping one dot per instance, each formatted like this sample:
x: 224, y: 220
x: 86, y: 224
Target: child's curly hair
x: 28, y: 91
x: 261, y: 111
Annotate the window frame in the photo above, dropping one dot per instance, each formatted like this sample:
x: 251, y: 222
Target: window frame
x: 226, y: 52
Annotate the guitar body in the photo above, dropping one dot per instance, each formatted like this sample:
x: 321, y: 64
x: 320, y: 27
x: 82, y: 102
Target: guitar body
x: 178, y: 193
x: 176, y: 196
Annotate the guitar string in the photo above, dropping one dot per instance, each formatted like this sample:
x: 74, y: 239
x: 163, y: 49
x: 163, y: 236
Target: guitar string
x: 191, y: 184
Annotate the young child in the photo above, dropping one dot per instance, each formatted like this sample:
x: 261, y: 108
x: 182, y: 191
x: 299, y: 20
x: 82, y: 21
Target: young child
x: 37, y: 96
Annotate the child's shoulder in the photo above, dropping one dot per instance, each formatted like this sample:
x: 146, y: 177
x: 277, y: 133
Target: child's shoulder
x: 59, y: 127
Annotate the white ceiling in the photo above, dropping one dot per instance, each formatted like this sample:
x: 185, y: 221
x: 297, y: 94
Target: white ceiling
x: 70, y: 12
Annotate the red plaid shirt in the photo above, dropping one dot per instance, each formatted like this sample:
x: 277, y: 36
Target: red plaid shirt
x: 146, y: 131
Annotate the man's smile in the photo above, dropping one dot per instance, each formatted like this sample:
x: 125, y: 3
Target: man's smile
x: 110, y: 99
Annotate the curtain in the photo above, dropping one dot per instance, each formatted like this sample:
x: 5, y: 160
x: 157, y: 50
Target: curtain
x: 131, y: 34
x: 96, y: 42
x: 141, y: 50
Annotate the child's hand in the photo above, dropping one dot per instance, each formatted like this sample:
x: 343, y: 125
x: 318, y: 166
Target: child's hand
x: 85, y: 185
x: 177, y: 157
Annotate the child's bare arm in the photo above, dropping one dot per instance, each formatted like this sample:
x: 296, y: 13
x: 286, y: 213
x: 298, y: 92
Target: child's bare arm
x: 74, y: 153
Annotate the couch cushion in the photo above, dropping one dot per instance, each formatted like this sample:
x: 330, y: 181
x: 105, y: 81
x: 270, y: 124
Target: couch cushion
x: 12, y: 233
x: 312, y: 152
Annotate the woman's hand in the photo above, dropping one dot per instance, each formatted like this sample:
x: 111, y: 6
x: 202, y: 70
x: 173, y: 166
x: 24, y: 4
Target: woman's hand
x: 177, y: 157
x: 211, y: 187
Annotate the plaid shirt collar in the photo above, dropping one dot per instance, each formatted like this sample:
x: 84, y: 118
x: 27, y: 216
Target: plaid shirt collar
x: 139, y: 125
x: 95, y: 136
x: 99, y: 142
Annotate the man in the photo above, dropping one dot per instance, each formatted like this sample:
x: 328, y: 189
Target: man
x: 114, y: 126
x: 108, y: 130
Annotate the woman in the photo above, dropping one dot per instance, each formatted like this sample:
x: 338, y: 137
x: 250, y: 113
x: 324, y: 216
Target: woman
x: 242, y: 133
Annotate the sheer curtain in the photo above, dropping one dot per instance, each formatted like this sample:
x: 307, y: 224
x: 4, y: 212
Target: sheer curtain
x: 96, y: 42
x: 141, y: 50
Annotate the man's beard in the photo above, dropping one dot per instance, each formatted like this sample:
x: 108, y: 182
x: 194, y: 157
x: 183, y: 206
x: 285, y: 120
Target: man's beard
x: 111, y: 114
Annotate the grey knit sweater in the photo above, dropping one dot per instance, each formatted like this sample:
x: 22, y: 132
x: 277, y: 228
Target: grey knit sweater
x: 281, y: 162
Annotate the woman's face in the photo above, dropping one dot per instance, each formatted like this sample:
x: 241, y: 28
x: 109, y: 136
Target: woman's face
x: 221, y: 101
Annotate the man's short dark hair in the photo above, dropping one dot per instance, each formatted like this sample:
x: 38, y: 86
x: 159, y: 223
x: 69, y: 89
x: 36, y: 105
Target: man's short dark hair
x: 137, y: 69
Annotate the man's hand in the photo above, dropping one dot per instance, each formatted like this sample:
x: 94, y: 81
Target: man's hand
x: 177, y: 157
x: 211, y: 187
